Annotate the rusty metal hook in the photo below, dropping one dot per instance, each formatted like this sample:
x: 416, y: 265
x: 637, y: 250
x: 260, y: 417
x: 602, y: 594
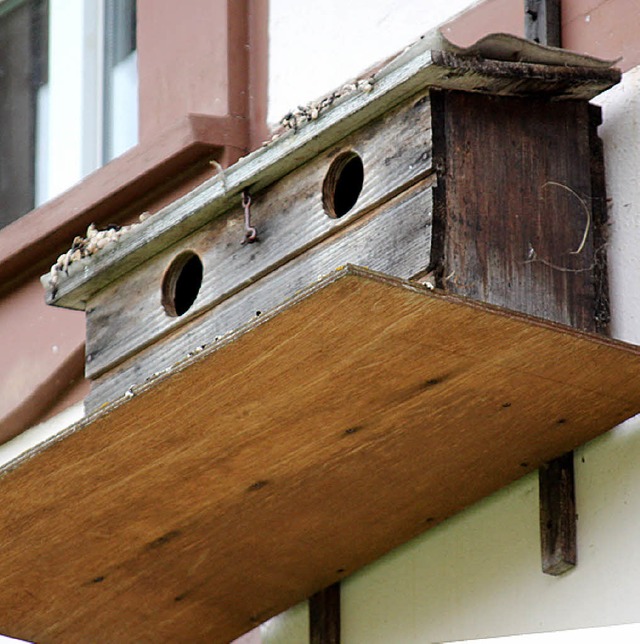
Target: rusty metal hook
x: 250, y: 232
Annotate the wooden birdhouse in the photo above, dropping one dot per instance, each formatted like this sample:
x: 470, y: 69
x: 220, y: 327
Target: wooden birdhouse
x: 332, y: 346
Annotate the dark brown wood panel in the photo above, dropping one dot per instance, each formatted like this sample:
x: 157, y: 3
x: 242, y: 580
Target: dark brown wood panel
x: 519, y: 225
x: 542, y: 22
x: 324, y: 616
x: 556, y: 480
x: 602, y: 315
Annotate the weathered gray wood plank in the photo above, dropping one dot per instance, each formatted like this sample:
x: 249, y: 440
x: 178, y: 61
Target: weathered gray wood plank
x: 395, y: 239
x: 128, y: 314
x: 558, y: 529
x: 410, y: 73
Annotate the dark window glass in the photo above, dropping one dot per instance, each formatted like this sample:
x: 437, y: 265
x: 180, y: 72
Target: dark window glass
x: 23, y: 70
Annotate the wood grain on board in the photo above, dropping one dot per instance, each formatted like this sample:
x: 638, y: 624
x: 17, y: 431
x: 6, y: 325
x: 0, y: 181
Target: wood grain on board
x: 257, y: 473
x: 519, y: 230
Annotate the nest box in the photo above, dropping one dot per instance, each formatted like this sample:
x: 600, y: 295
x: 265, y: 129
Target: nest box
x: 335, y: 344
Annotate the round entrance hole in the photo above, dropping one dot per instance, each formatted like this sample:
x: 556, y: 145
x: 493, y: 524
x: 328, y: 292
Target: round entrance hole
x: 181, y: 284
x: 343, y: 184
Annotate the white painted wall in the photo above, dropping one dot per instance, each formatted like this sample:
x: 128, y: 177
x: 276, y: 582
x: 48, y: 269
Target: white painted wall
x: 40, y: 433
x: 317, y: 46
x: 620, y: 634
x: 620, y: 132
x: 478, y: 574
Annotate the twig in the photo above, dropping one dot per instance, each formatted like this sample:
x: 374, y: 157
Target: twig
x: 555, y: 267
x: 587, y: 228
x: 220, y: 170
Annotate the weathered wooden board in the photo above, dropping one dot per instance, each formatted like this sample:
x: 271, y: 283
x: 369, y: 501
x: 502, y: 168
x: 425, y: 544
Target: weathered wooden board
x: 413, y: 71
x: 558, y: 518
x: 528, y: 242
x: 324, y: 616
x: 290, y: 218
x: 513, y: 78
x: 256, y: 473
x: 394, y: 239
x: 543, y: 22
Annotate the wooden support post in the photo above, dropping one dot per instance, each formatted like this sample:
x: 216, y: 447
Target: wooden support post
x: 542, y: 22
x: 558, y: 532
x: 557, y: 515
x: 324, y: 616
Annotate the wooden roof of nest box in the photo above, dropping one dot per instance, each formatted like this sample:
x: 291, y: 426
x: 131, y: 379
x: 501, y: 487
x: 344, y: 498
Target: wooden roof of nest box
x: 258, y: 408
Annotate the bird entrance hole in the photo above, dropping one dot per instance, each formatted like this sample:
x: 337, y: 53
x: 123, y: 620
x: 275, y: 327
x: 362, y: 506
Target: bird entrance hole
x: 181, y: 284
x: 343, y: 184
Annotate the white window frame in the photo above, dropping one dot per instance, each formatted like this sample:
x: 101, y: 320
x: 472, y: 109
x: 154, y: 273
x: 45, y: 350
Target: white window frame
x: 70, y: 129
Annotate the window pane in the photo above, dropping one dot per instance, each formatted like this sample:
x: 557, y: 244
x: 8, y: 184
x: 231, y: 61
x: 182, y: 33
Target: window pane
x: 121, y: 78
x: 23, y: 64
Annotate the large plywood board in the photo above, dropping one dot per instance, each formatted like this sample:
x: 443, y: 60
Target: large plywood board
x: 257, y: 472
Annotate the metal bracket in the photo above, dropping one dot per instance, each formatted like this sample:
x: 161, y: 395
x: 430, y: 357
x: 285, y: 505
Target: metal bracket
x: 250, y: 233
x: 542, y: 22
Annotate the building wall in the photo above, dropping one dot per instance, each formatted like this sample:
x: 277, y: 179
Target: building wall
x: 346, y: 39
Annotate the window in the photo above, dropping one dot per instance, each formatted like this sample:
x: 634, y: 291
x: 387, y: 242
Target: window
x: 23, y: 72
x: 120, y: 130
x: 68, y: 95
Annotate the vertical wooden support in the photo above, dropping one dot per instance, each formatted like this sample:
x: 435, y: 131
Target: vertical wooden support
x: 324, y: 616
x: 558, y: 531
x: 557, y: 515
x: 542, y: 22
x: 518, y: 222
x: 556, y: 480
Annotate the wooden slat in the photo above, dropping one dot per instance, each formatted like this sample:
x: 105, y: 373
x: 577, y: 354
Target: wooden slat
x: 556, y: 480
x: 558, y: 538
x: 394, y: 239
x: 524, y: 79
x: 412, y: 72
x: 290, y: 218
x: 324, y: 616
x: 542, y: 22
x: 257, y: 473
x: 519, y: 227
